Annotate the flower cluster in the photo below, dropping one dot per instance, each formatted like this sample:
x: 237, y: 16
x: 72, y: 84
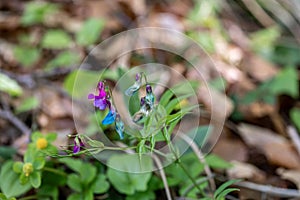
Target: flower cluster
x: 102, y: 101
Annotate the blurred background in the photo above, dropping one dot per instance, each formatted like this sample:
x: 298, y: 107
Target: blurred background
x: 254, y: 45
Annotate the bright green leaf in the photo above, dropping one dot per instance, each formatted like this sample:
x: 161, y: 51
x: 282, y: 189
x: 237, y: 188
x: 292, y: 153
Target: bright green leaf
x: 75, y: 196
x: 64, y: 59
x: 147, y: 195
x: 223, y: 194
x: 9, y: 184
x: 100, y: 185
x: 56, y: 39
x: 38, y: 163
x: 18, y: 167
x: 76, y: 79
x: 128, y: 183
x: 286, y: 82
x: 35, y: 179
x: 295, y: 116
x: 26, y: 55
x: 9, y: 86
x: 51, y: 137
x: 90, y: 31
x: 36, y: 12
x: 28, y: 104
x: 74, y: 182
x: 217, y: 162
x: 224, y: 186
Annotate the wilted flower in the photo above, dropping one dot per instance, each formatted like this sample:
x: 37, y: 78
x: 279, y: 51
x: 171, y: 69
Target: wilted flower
x: 136, y: 86
x: 100, y: 100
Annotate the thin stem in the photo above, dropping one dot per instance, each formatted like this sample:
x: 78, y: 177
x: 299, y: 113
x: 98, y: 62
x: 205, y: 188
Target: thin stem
x: 166, y: 136
x: 55, y: 171
x: 202, y: 160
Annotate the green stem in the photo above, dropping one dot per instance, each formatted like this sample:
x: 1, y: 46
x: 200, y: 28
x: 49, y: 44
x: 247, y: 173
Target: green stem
x: 55, y: 171
x: 167, y: 138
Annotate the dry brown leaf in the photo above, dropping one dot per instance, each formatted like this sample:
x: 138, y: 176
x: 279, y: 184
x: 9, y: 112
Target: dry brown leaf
x: 291, y: 175
x: 277, y: 149
x: 217, y: 102
x: 247, y: 171
x: 230, y: 148
x: 54, y: 105
x: 256, y: 109
x: 259, y: 68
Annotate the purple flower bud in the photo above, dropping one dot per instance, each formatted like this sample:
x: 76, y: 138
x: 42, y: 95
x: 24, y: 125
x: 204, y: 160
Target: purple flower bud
x: 142, y: 101
x: 77, y: 144
x: 138, y: 77
x: 148, y: 89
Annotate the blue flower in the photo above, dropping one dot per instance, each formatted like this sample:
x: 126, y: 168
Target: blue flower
x: 136, y: 86
x: 109, y: 118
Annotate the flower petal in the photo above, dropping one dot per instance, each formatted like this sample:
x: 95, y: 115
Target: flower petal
x: 76, y: 149
x: 100, y: 103
x: 91, y: 96
x: 109, y: 118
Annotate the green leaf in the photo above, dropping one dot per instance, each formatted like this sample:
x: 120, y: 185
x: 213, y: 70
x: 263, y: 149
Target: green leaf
x: 48, y: 191
x: 38, y: 163
x: 51, y: 137
x: 182, y: 88
x: 89, y: 78
x: 205, y: 39
x: 100, y: 185
x: 28, y: 104
x: 224, y: 186
x: 64, y: 59
x: 7, y: 152
x: 75, y: 196
x: 147, y: 195
x: 35, y: 179
x: 56, y: 39
x: 95, y: 144
x: 74, y: 182
x: 36, y: 12
x: 223, y: 194
x: 9, y: 184
x: 128, y: 183
x: 286, y: 82
x: 200, y: 135
x: 88, y: 174
x: 75, y: 165
x: 216, y: 162
x: 9, y: 86
x: 90, y: 31
x: 295, y: 116
x: 26, y: 55
x: 263, y: 40
x: 18, y: 167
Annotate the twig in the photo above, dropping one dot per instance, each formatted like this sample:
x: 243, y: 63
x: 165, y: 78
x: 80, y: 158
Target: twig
x: 293, y: 134
x: 200, y: 156
x: 163, y: 176
x: 8, y: 115
x: 274, y: 191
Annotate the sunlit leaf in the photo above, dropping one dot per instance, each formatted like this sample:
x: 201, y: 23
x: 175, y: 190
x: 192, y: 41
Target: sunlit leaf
x: 90, y: 31
x: 56, y: 39
x: 9, y: 86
